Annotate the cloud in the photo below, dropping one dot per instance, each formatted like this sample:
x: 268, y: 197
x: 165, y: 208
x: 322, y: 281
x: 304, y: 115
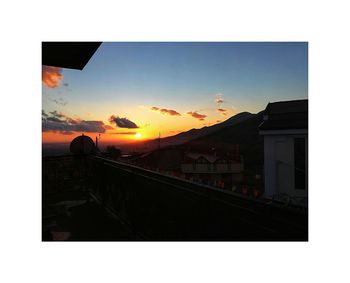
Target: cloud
x: 219, y: 98
x: 122, y: 122
x: 43, y: 114
x: 57, y: 114
x: 165, y: 111
x: 108, y: 127
x: 222, y: 111
x: 60, y: 101
x: 54, y: 119
x: 51, y: 76
x: 61, y: 123
x: 196, y: 115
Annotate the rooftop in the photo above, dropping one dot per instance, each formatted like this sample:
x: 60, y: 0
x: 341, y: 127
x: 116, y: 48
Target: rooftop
x: 286, y: 115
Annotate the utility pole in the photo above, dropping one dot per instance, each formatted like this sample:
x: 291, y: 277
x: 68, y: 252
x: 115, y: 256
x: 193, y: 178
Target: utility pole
x: 159, y: 141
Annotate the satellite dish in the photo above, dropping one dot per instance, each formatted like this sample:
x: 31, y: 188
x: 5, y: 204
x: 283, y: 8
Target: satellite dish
x: 82, y: 145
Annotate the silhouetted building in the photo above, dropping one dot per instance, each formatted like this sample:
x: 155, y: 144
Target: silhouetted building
x: 285, y: 131
x: 212, y: 169
x: 83, y: 145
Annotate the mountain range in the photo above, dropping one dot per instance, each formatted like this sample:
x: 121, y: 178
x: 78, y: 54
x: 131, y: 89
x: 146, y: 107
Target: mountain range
x: 193, y: 134
x: 240, y: 130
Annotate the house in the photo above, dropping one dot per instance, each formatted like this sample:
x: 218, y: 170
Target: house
x: 221, y: 171
x: 285, y: 131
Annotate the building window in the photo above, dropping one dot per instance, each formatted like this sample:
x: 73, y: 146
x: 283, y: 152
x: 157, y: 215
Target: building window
x: 299, y: 163
x: 209, y: 166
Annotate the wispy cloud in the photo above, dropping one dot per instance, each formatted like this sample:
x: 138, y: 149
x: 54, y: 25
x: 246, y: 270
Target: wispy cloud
x: 59, y: 101
x: 165, y: 111
x: 219, y: 99
x: 61, y: 123
x: 51, y: 76
x: 222, y: 111
x: 122, y: 122
x: 196, y: 115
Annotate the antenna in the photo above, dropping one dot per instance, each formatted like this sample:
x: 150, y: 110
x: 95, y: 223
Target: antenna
x: 159, y: 141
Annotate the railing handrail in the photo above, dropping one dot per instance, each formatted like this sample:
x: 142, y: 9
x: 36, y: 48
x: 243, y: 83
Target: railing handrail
x: 207, y: 189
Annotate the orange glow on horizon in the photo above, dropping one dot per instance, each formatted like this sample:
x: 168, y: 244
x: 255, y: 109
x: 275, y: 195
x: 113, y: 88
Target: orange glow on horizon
x: 122, y: 136
x: 150, y: 125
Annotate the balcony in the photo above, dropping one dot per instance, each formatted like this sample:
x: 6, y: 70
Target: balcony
x: 117, y: 201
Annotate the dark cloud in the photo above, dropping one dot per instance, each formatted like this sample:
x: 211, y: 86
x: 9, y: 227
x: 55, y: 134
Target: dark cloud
x: 59, y: 122
x: 196, y: 115
x: 122, y: 122
x: 108, y: 127
x: 166, y: 111
x: 222, y: 111
x: 51, y: 76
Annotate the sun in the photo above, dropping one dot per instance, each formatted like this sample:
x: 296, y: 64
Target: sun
x: 138, y: 135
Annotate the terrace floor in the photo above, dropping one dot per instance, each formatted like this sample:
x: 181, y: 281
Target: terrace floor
x: 78, y: 218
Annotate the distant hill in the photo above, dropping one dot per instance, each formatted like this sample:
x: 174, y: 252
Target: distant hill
x: 246, y: 134
x: 192, y: 134
x: 55, y: 149
x: 241, y: 130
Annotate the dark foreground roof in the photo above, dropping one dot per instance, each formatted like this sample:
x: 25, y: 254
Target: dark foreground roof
x: 71, y: 55
x: 286, y: 115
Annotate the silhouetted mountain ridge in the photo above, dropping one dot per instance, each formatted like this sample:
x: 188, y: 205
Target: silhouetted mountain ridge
x: 245, y: 134
x: 192, y: 134
x: 221, y: 138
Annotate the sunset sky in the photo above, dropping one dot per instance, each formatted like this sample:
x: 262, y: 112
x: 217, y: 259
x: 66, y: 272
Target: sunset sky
x: 133, y: 91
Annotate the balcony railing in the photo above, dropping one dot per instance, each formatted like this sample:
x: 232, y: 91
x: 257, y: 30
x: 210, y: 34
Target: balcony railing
x: 160, y: 207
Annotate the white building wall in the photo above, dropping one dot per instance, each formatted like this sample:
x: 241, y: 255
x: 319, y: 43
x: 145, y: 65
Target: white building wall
x: 279, y: 165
